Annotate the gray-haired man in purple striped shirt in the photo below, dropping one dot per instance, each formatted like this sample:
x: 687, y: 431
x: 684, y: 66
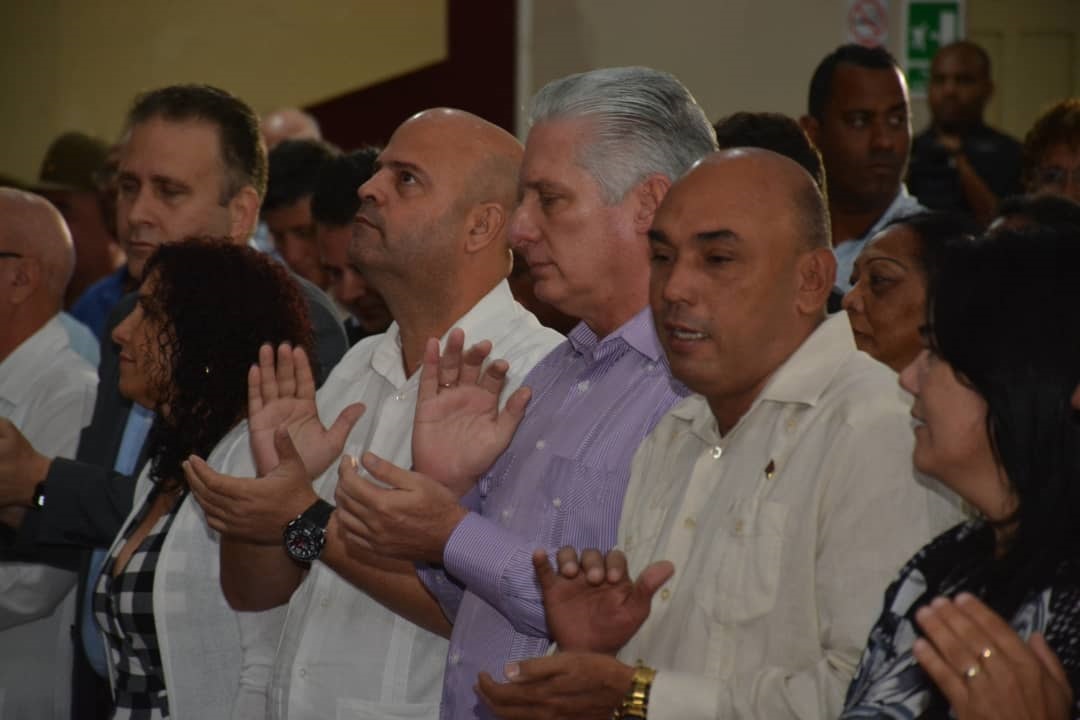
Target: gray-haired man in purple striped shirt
x: 603, y: 150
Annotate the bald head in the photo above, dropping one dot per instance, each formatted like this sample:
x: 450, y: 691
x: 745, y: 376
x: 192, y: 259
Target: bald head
x: 968, y: 52
x: 435, y: 215
x: 775, y: 181
x: 960, y: 86
x: 288, y: 124
x: 487, y: 157
x: 32, y: 227
x: 741, y: 272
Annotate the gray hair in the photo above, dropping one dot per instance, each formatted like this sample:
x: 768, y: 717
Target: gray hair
x: 644, y: 122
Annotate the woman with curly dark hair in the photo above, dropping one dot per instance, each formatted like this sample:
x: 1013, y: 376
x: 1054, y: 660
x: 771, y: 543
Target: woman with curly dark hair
x: 175, y: 648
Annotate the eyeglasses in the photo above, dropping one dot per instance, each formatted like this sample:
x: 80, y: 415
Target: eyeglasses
x: 1056, y: 176
x: 5, y: 254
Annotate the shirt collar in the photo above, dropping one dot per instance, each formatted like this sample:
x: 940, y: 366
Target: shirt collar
x: 17, y: 370
x: 801, y: 379
x: 903, y: 204
x: 638, y: 333
x: 496, y: 312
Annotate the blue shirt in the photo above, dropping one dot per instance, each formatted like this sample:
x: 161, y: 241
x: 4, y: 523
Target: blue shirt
x: 93, y: 306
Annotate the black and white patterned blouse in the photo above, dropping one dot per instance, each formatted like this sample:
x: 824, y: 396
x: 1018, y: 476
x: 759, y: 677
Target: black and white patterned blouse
x: 889, y: 683
x: 124, y: 608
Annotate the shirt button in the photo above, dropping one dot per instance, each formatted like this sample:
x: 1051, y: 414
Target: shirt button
x: 455, y: 658
x: 303, y: 672
x: 325, y: 602
x: 689, y: 523
x: 651, y: 367
x: 583, y: 385
x: 540, y: 444
x: 505, y: 514
x: 557, y: 502
x: 791, y: 424
x: 738, y: 527
x: 717, y: 451
x: 665, y: 594
x: 398, y: 396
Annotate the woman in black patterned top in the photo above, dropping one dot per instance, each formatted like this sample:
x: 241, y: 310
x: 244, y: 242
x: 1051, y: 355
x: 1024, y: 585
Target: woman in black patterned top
x: 993, y: 421
x: 205, y: 307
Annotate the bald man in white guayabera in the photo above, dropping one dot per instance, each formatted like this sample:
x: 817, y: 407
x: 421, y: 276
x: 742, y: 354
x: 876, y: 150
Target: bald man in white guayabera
x: 47, y: 393
x: 431, y: 236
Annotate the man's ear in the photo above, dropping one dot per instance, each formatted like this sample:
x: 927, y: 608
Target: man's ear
x: 243, y: 214
x: 483, y: 225
x: 816, y: 277
x: 26, y: 279
x: 812, y: 128
x: 648, y: 195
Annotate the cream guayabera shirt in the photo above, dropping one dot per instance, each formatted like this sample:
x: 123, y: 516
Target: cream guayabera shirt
x: 784, y: 535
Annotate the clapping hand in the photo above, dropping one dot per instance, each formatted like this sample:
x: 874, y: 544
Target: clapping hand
x: 984, y: 669
x: 591, y: 604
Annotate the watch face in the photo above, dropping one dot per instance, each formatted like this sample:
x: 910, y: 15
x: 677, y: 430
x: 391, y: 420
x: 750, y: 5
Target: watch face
x: 304, y: 542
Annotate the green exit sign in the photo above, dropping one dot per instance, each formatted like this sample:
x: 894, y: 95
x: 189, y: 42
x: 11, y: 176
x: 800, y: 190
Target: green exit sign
x: 930, y: 25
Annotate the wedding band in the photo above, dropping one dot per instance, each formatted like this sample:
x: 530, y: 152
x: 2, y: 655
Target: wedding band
x: 446, y: 385
x: 986, y: 653
x: 972, y: 671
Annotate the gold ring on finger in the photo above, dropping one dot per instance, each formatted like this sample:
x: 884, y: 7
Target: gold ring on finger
x: 972, y: 671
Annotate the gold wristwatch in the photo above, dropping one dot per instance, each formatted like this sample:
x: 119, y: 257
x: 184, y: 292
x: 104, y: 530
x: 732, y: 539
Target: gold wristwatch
x: 635, y: 703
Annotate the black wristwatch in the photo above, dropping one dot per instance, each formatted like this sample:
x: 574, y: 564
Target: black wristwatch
x: 305, y: 536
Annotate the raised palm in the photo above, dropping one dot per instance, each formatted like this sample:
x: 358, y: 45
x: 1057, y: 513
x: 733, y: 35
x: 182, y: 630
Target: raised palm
x: 459, y: 429
x: 283, y: 394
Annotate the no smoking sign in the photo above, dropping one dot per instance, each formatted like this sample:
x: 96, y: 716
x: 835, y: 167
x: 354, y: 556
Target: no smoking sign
x: 868, y: 22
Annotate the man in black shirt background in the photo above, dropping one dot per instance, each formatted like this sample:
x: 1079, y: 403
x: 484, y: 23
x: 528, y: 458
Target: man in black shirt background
x: 960, y: 163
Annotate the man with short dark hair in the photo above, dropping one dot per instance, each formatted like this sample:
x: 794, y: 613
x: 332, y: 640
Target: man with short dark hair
x: 772, y: 131
x: 858, y: 116
x: 960, y: 163
x: 295, y: 167
x: 334, y: 205
x: 192, y: 163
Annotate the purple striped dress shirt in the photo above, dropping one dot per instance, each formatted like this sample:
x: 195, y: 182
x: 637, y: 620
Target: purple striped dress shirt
x: 561, y: 482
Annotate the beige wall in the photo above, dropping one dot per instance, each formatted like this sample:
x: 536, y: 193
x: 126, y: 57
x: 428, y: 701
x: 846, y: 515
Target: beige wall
x: 758, y: 55
x: 71, y: 64
x: 733, y: 54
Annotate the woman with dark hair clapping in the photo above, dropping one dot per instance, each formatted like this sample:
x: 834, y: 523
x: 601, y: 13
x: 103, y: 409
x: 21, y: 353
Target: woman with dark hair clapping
x: 175, y: 648
x: 994, y: 423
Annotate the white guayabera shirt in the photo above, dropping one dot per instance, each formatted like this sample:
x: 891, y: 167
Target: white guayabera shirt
x: 342, y: 654
x: 784, y: 534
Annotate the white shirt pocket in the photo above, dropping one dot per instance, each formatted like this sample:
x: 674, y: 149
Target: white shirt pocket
x: 740, y: 568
